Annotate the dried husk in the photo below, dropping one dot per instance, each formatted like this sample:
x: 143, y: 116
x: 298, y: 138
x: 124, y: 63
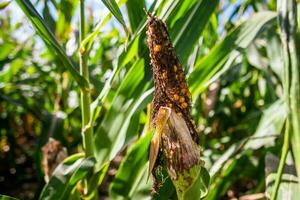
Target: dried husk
x: 53, y: 154
x: 181, y: 154
x: 174, y: 144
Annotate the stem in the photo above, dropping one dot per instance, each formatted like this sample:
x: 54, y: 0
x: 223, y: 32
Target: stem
x: 285, y: 149
x: 87, y: 131
x: 287, y: 10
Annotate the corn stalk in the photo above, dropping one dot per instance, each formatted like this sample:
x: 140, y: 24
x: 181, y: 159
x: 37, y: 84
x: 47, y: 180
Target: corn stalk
x: 287, y: 10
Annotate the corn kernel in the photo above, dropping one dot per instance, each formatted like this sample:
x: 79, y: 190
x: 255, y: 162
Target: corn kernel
x: 184, y: 105
x: 182, y: 85
x: 164, y: 75
x: 176, y: 97
x: 181, y: 100
x: 157, y: 48
x: 175, y: 68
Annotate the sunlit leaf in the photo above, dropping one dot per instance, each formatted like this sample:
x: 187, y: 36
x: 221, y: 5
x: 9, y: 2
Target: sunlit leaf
x: 238, y: 39
x: 111, y: 134
x: 200, y: 188
x: 114, y: 9
x: 269, y: 127
x: 66, y: 175
x: 135, y: 12
x: 186, y: 38
x: 4, y: 197
x: 3, y: 4
x: 287, y: 11
x: 48, y: 37
x: 289, y: 187
x: 132, y: 174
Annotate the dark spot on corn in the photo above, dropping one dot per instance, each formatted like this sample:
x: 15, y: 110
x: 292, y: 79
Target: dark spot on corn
x: 171, y: 89
x: 174, y: 146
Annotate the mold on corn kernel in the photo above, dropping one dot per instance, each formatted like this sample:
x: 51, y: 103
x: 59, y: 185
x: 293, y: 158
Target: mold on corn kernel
x: 164, y: 75
x: 181, y: 100
x: 176, y: 97
x: 184, y: 105
x: 183, y: 86
x: 175, y: 68
x: 157, y: 48
x: 183, y: 90
x: 162, y: 111
x: 169, y: 78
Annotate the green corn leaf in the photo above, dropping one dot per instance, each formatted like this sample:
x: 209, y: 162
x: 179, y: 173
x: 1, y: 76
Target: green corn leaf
x: 112, y: 133
x: 7, y: 74
x: 4, y: 197
x: 288, y: 189
x: 66, y: 175
x: 132, y: 173
x: 227, y: 176
x: 289, y: 186
x: 135, y: 13
x: 48, y: 37
x: 199, y: 188
x: 3, y: 4
x: 269, y: 126
x: 66, y: 12
x: 291, y: 50
x: 86, y: 44
x: 238, y: 39
x: 268, y: 129
x: 183, y: 36
x: 114, y: 9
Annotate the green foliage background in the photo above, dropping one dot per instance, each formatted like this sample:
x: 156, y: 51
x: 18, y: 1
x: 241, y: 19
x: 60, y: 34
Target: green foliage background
x: 236, y: 60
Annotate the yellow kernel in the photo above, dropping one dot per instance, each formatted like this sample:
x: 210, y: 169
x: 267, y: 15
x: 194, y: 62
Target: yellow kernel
x: 175, y: 68
x: 170, y: 105
x: 157, y: 48
x: 184, y: 105
x: 183, y: 90
x: 176, y: 97
x: 164, y: 75
x: 181, y: 100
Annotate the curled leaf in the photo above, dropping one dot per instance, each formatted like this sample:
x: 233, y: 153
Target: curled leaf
x: 180, y: 153
x: 162, y: 118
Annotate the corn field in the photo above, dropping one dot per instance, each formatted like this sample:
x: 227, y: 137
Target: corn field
x: 141, y: 99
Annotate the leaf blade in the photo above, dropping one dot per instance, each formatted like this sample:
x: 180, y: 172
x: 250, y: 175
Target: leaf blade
x: 239, y: 38
x: 115, y: 10
x: 48, y: 37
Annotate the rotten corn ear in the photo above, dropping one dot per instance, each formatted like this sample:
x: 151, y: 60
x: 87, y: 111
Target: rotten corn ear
x: 171, y: 89
x: 174, y: 144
